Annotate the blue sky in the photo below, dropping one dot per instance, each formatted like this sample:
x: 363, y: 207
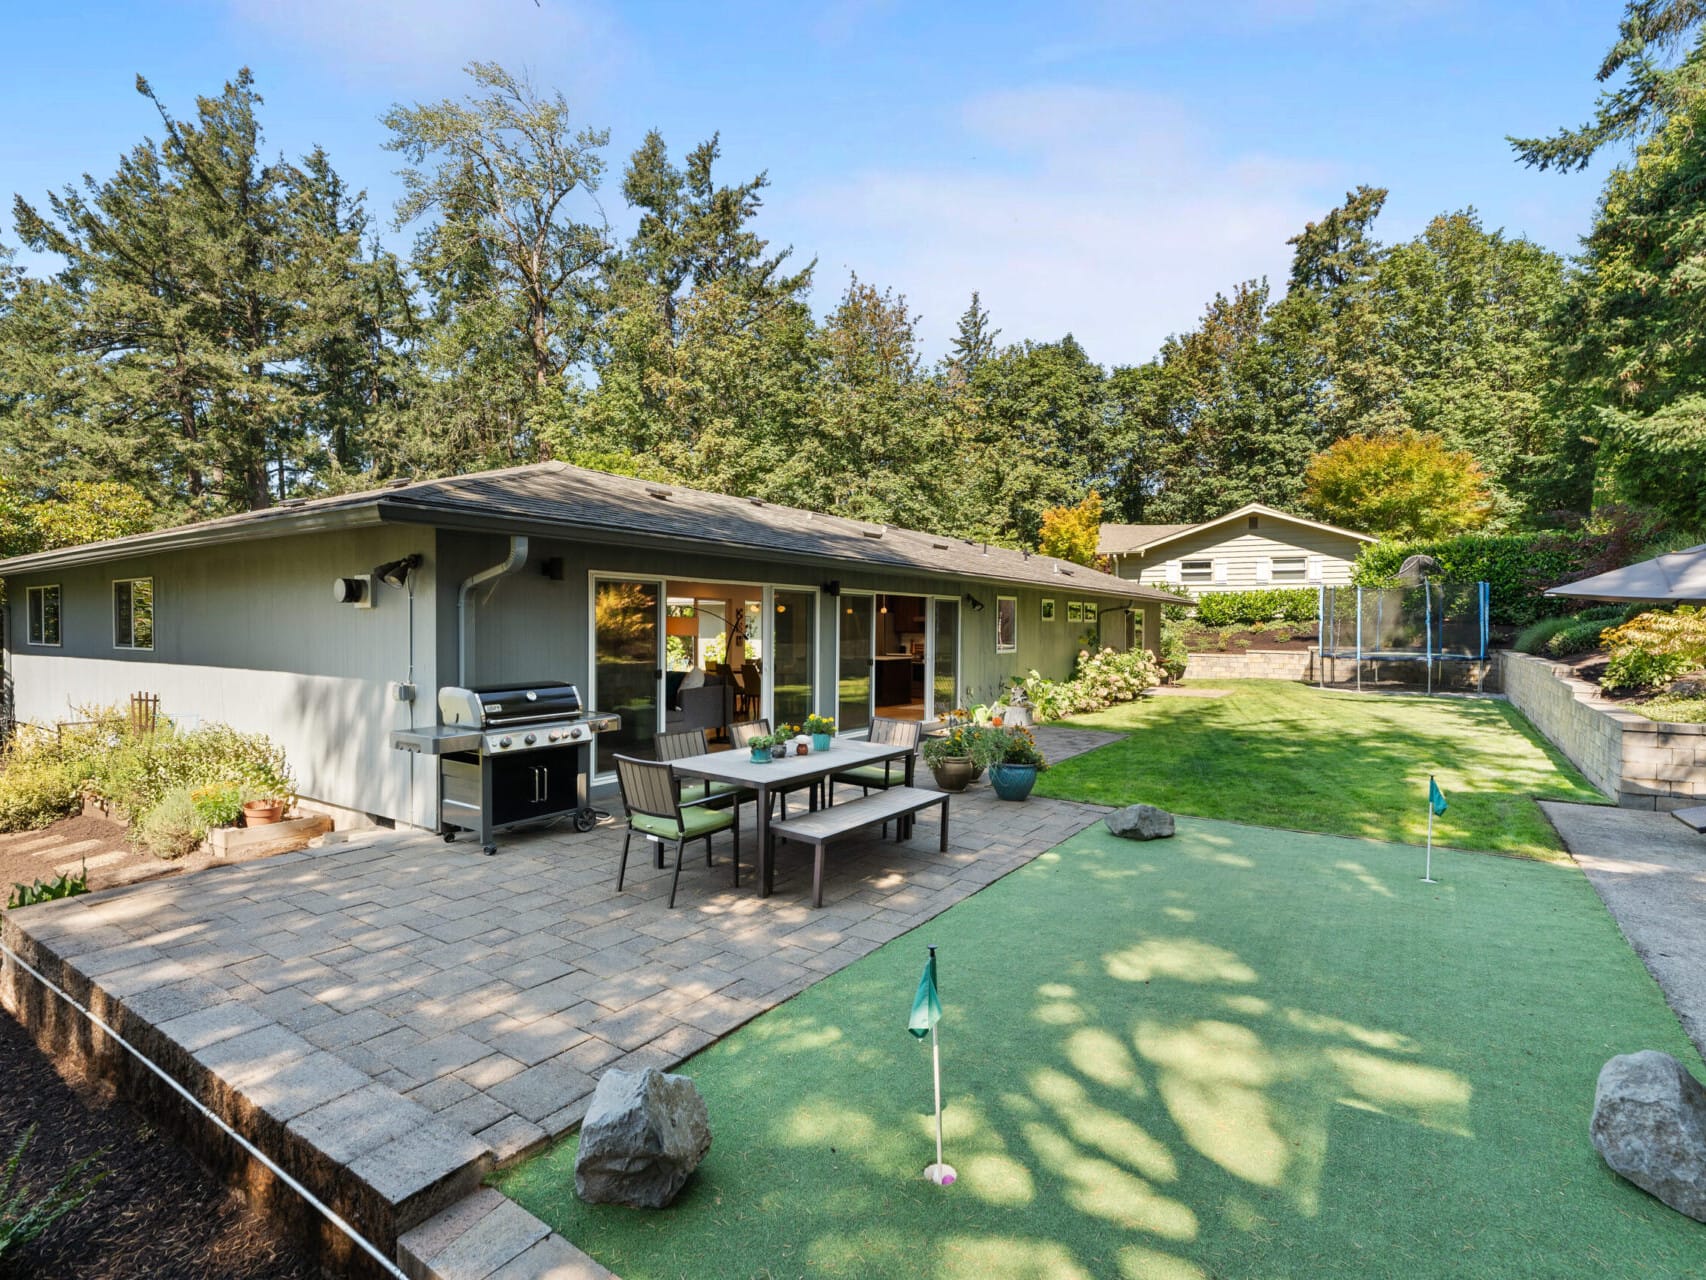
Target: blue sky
x: 1101, y: 168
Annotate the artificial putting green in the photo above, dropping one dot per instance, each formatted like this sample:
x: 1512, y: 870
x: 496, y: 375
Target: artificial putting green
x: 1239, y: 1053
x: 1288, y: 755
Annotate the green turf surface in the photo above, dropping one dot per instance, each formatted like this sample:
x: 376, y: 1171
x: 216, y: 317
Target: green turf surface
x: 1239, y: 1053
x: 1288, y: 755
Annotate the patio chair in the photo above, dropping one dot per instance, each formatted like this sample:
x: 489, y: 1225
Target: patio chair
x: 885, y: 731
x: 693, y: 742
x: 652, y: 795
x: 743, y: 733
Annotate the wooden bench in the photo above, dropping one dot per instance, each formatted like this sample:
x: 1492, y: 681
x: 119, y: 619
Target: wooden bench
x: 820, y: 826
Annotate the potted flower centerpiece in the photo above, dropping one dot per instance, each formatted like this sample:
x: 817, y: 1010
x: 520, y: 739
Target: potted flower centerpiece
x: 760, y: 745
x: 1014, y: 770
x: 820, y: 728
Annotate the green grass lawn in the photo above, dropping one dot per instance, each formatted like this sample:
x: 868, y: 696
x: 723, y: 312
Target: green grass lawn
x: 1239, y: 1053
x: 1287, y: 755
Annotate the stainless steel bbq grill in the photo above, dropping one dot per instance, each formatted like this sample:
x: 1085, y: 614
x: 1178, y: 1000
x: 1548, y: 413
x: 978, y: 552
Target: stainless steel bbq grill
x: 509, y: 754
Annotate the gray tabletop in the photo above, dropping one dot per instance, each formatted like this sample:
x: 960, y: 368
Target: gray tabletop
x: 739, y: 766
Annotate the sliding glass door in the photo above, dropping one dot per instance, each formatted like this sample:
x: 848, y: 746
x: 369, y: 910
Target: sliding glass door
x: 855, y: 662
x: 627, y: 664
x: 944, y: 657
x: 791, y: 667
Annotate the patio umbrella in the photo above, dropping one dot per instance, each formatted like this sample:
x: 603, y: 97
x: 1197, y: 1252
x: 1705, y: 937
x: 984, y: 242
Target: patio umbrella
x: 1679, y: 577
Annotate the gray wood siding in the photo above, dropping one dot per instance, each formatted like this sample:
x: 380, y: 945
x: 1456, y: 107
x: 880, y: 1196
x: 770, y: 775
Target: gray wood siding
x: 250, y: 636
x: 1238, y: 551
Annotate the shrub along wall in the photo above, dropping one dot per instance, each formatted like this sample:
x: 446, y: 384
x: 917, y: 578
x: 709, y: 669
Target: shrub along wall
x: 1271, y: 604
x: 1517, y: 568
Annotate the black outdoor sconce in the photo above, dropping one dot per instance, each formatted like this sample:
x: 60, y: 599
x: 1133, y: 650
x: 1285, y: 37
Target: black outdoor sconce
x: 832, y: 587
x: 974, y: 602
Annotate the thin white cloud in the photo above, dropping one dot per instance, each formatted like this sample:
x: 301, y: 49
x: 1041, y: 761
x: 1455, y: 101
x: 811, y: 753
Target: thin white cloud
x: 1106, y: 213
x: 421, y: 44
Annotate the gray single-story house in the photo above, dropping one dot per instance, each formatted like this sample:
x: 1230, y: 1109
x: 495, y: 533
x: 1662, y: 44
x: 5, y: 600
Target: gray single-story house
x: 1254, y: 547
x: 328, y: 624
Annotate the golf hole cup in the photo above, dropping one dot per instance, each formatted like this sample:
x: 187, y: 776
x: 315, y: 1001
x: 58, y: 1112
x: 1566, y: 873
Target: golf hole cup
x: 942, y: 1175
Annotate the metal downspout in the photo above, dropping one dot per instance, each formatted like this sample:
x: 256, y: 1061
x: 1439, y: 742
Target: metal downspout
x: 465, y: 615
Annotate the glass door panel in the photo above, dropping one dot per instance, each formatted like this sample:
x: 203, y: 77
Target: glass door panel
x: 853, y: 697
x: 945, y: 657
x: 793, y: 656
x: 627, y: 648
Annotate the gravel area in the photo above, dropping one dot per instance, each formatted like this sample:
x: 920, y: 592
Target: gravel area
x: 156, y: 1213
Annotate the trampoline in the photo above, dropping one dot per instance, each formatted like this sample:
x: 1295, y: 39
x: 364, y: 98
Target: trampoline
x: 1431, y: 621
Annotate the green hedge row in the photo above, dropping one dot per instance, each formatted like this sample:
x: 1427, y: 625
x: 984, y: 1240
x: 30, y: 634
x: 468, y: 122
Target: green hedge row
x: 1271, y: 604
x: 1517, y: 567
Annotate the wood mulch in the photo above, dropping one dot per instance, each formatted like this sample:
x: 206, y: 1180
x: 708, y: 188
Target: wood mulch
x: 155, y: 1213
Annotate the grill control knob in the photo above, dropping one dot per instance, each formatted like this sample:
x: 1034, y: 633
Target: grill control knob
x: 530, y: 739
x: 555, y: 734
x: 504, y: 741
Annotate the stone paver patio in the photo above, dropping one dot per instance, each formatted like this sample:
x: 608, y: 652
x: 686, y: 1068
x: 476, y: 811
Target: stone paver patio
x: 408, y: 1012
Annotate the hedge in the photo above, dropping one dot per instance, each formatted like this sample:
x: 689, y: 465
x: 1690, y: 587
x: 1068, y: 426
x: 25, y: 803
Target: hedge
x: 1518, y: 568
x: 1271, y: 604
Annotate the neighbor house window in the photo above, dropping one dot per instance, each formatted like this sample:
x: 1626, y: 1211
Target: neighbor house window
x: 1196, y: 571
x: 1006, y: 624
x: 1290, y: 568
x: 43, y: 607
x: 133, y: 613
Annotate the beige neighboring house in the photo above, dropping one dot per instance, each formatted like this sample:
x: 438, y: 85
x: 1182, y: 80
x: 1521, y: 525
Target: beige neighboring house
x: 1250, y: 548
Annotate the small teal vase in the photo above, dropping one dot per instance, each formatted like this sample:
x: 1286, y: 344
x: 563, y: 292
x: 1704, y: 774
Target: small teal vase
x: 820, y: 742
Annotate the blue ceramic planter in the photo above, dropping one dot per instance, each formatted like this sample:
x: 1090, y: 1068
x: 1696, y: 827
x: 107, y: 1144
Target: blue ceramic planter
x: 820, y: 742
x: 1012, y: 781
x: 761, y: 755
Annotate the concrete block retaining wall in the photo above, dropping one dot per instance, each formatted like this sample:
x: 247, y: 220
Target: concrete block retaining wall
x: 1257, y: 664
x: 1639, y: 763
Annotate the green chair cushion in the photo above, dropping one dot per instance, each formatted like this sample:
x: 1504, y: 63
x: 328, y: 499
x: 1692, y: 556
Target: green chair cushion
x: 691, y: 791
x: 695, y: 822
x: 874, y: 775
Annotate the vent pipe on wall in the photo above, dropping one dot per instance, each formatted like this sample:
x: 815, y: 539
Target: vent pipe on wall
x: 465, y: 614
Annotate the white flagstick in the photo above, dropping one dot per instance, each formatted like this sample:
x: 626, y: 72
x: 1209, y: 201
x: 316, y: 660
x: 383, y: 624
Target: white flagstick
x: 941, y: 1174
x: 1428, y: 875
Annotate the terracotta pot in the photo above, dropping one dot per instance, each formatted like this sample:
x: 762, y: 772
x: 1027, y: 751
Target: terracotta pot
x: 801, y: 749
x: 261, y: 813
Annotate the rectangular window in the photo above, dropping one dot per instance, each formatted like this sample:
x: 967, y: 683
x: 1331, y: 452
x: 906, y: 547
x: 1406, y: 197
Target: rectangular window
x: 133, y: 613
x: 1006, y: 624
x: 1290, y: 568
x: 1047, y: 614
x: 43, y: 606
x: 1196, y: 570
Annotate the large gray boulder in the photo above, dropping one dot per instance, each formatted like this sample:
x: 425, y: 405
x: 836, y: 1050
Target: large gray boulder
x: 1141, y: 822
x: 1649, y: 1122
x: 644, y: 1134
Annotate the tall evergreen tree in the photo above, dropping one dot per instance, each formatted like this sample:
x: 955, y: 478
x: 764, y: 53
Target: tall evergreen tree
x: 974, y: 339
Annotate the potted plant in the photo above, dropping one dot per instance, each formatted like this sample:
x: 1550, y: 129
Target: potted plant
x: 761, y: 745
x: 820, y: 728
x: 949, y: 756
x: 263, y: 811
x: 1014, y: 770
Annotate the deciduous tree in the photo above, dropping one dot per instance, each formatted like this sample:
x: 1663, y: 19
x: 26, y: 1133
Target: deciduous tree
x: 1402, y: 485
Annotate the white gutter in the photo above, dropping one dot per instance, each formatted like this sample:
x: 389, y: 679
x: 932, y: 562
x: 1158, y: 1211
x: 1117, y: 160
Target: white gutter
x: 465, y: 615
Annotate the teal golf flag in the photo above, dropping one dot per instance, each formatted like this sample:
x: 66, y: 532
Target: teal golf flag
x: 926, y: 1007
x: 1436, y: 798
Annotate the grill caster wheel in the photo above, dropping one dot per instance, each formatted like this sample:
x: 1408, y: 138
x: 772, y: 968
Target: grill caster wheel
x: 489, y: 850
x: 585, y: 820
x: 449, y: 837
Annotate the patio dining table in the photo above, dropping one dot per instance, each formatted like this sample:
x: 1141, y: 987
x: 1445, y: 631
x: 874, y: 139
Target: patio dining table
x: 740, y: 768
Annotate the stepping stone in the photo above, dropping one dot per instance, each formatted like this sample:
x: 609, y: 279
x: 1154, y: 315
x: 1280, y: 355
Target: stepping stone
x: 57, y: 850
x: 1694, y: 818
x: 99, y: 860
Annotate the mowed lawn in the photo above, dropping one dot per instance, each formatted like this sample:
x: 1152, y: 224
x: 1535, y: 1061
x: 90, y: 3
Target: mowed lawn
x: 1284, y: 754
x: 1239, y: 1053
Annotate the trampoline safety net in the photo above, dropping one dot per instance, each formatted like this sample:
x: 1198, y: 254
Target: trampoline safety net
x: 1432, y: 633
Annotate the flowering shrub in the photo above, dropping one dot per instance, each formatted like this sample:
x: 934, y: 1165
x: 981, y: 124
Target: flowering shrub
x: 1652, y: 649
x: 1101, y: 679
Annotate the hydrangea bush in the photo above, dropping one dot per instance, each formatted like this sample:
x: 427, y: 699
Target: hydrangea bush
x: 1100, y: 680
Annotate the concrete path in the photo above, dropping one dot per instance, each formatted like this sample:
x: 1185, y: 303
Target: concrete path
x: 1650, y: 870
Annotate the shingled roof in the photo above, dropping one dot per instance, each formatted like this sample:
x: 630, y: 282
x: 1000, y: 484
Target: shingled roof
x: 553, y: 499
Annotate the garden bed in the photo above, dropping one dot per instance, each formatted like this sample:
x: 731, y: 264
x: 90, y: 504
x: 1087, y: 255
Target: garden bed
x: 156, y: 1213
x: 1683, y: 703
x: 1298, y: 639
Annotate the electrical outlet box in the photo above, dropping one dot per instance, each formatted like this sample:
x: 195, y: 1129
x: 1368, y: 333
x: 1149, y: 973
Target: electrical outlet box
x: 402, y: 692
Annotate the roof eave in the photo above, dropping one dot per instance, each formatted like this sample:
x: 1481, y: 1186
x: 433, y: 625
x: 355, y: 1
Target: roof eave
x: 188, y: 537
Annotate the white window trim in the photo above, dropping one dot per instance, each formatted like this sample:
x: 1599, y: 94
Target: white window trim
x: 153, y: 618
x: 1186, y: 576
x: 44, y: 643
x: 1298, y: 574
x: 1008, y: 648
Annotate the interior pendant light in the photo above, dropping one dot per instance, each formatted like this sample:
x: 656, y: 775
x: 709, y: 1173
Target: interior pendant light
x: 885, y: 604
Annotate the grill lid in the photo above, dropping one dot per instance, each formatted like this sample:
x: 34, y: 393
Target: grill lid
x: 494, y: 705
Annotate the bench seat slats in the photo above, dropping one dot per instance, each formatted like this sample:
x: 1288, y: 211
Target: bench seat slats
x: 820, y: 827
